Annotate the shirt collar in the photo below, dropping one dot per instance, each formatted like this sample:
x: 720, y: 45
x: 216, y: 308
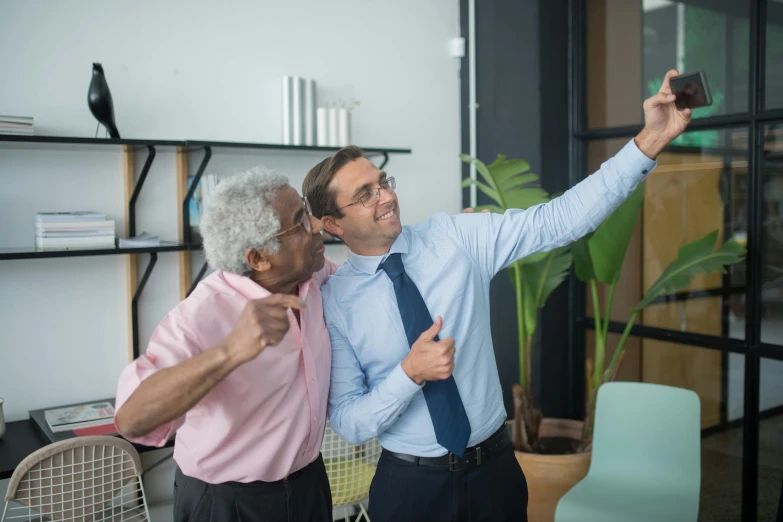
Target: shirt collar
x: 369, y: 264
x: 252, y: 290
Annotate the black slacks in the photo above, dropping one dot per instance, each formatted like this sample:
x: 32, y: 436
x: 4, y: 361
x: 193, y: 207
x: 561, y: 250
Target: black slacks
x: 494, y: 491
x: 304, y: 497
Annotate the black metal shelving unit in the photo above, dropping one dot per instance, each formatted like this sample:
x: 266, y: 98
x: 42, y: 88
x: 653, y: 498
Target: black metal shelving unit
x: 753, y: 118
x: 73, y: 140
x: 189, y: 146
x: 33, y: 253
x: 279, y: 146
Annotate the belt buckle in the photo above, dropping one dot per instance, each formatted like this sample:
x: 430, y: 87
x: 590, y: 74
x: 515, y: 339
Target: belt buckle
x: 478, y: 455
x: 452, y: 462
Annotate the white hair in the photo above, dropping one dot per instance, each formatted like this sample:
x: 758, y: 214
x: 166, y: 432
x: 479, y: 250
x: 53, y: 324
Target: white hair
x: 239, y: 215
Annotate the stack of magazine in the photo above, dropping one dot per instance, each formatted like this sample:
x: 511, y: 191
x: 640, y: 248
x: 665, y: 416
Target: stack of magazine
x: 16, y: 125
x: 76, y: 420
x: 73, y: 230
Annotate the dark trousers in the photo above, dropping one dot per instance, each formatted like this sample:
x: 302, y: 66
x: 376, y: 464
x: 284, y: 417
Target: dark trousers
x: 304, y: 497
x: 495, y: 491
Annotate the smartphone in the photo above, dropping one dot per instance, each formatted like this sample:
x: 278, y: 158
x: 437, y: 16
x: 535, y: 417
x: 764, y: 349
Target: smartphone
x: 692, y: 90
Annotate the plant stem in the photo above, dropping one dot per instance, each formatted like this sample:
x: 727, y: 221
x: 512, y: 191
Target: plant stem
x: 600, y: 338
x: 522, y: 337
x: 596, y: 307
x: 608, y: 312
x: 621, y: 345
x: 529, y: 362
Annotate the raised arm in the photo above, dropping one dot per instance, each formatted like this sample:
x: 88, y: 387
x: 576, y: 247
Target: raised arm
x: 496, y: 240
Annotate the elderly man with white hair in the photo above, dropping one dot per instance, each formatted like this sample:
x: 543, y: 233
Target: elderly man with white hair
x: 240, y: 369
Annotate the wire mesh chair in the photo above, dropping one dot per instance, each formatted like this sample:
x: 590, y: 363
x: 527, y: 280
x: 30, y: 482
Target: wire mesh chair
x: 84, y: 479
x: 350, y: 470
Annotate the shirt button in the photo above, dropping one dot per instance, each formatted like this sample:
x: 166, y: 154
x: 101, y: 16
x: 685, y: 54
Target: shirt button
x: 644, y: 172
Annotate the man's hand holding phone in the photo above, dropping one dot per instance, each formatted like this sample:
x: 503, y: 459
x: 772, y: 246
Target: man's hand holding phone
x: 663, y: 121
x: 692, y: 90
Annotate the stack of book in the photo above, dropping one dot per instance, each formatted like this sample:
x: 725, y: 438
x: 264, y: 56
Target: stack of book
x: 73, y: 230
x: 16, y: 125
x: 75, y: 420
x: 145, y: 239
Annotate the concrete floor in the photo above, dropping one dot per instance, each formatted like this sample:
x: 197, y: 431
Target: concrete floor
x: 721, y: 475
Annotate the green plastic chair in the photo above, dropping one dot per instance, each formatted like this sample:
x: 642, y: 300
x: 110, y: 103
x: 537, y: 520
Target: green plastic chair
x: 646, y: 462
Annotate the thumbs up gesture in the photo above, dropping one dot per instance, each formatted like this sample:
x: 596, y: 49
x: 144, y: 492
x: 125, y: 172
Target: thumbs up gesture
x: 430, y: 360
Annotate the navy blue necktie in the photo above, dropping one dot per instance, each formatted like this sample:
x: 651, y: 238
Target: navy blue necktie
x: 452, y: 428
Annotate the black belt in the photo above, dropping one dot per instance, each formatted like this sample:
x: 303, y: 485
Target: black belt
x: 473, y: 456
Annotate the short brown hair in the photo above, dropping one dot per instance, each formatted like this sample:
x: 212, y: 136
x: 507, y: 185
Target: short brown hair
x: 316, y: 184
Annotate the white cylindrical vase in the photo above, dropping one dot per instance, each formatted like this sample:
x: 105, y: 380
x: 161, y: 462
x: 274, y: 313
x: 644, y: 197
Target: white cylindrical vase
x: 343, y: 127
x: 309, y: 113
x: 323, y: 127
x: 332, y: 134
x: 298, y: 119
x: 288, y: 109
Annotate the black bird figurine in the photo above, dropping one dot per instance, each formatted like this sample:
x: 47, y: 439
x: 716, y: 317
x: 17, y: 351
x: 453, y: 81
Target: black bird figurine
x: 100, y: 102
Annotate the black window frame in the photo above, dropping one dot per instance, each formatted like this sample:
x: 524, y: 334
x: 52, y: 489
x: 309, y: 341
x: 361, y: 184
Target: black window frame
x: 755, y: 119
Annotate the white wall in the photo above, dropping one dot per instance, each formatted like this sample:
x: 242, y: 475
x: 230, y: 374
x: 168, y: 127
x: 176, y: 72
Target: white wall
x: 189, y: 70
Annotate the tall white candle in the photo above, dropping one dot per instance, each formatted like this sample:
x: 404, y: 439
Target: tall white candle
x: 298, y: 124
x: 333, y: 127
x: 323, y: 127
x: 309, y: 115
x: 343, y: 127
x: 288, y: 109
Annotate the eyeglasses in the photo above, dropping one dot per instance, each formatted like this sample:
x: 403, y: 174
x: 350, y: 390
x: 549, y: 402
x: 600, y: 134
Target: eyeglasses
x: 371, y: 197
x: 304, y: 222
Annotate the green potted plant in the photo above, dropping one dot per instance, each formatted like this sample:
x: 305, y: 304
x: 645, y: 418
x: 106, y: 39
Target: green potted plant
x: 598, y: 259
x: 555, y: 453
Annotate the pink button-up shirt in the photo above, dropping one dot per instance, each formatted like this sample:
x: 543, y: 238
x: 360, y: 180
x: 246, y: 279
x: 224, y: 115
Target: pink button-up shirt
x: 266, y: 419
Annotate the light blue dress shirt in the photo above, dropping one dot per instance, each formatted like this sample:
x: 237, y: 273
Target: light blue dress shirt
x: 451, y: 259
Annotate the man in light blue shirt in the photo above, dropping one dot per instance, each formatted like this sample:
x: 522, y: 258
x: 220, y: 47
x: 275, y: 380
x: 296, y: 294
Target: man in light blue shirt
x: 408, y: 318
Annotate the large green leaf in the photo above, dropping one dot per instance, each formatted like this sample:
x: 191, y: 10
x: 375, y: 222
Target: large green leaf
x: 696, y: 257
x: 520, y: 181
x: 610, y: 241
x: 583, y: 265
x: 506, y: 169
x: 492, y: 193
x: 534, y: 258
x: 505, y: 182
x: 500, y: 159
x: 481, y: 169
x: 541, y: 274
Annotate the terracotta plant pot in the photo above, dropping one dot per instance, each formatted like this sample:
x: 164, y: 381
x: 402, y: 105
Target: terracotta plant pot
x: 549, y: 477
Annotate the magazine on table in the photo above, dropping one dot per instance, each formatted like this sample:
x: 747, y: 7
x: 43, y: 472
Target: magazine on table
x: 80, y: 416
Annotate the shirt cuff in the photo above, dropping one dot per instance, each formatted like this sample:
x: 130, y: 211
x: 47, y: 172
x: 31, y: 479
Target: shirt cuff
x: 635, y: 160
x: 400, y: 385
